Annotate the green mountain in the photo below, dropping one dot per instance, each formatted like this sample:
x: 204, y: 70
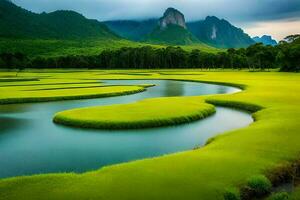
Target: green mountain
x: 16, y: 22
x: 132, y: 30
x: 211, y: 31
x: 171, y: 29
x: 219, y: 33
x: 172, y: 34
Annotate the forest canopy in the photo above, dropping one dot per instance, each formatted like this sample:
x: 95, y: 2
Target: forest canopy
x: 285, y: 56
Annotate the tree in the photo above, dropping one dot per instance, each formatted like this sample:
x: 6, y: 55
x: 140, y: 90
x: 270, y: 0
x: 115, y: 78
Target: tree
x: 194, y: 59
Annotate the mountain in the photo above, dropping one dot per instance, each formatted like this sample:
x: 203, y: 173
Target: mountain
x: 212, y: 31
x: 132, y: 30
x: 173, y: 35
x: 16, y: 22
x: 219, y: 33
x: 172, y: 17
x: 266, y: 40
x: 171, y: 29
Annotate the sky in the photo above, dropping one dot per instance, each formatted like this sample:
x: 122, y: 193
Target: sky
x: 278, y: 18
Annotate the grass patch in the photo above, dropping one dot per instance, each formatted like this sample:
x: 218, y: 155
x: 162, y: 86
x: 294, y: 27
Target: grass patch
x: 279, y: 196
x: 257, y: 186
x: 17, y: 79
x: 296, y: 194
x: 61, y: 89
x: 49, y: 84
x: 232, y: 194
x: 60, y: 86
x: 67, y: 94
x: 143, y: 114
x: 234, y: 104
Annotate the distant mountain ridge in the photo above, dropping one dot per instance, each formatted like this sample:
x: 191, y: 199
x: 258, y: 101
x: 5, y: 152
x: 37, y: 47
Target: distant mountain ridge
x: 16, y: 22
x: 266, y: 40
x: 213, y: 31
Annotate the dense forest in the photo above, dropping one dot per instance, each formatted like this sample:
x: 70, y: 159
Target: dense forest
x: 286, y: 56
x: 16, y: 22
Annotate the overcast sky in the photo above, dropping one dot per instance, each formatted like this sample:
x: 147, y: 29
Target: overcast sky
x: 257, y: 17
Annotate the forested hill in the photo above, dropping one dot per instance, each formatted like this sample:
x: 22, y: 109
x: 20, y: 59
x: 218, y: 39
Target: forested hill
x: 212, y: 31
x: 219, y: 33
x: 132, y: 30
x: 16, y: 22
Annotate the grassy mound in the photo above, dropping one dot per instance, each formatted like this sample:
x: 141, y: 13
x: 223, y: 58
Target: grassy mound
x: 143, y: 114
x: 69, y: 94
x: 57, y: 86
x: 228, y: 161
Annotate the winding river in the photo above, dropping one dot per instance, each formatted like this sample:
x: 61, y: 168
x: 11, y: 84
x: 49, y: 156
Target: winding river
x: 30, y: 143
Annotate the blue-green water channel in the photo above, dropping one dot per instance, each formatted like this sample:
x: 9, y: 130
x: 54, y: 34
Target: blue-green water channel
x: 30, y: 143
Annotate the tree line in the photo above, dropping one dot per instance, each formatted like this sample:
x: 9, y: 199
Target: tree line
x: 286, y: 56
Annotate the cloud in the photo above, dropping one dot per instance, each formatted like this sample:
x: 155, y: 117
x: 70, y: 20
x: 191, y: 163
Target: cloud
x: 236, y: 10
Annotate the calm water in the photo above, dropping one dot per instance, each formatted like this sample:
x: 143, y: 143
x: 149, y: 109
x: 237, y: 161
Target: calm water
x: 30, y: 143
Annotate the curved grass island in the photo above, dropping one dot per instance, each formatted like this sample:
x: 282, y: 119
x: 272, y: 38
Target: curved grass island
x: 143, y: 114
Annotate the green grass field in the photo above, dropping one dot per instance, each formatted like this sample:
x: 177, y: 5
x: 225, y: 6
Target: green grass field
x: 45, y: 87
x: 228, y: 161
x: 143, y: 114
x: 56, y: 48
x: 296, y: 194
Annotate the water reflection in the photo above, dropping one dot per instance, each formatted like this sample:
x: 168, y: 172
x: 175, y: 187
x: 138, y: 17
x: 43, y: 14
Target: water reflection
x: 222, y: 90
x: 174, y: 88
x: 16, y: 108
x: 8, y: 124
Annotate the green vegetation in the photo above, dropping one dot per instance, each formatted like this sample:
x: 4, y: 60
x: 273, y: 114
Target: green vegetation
x: 16, y: 22
x: 296, y: 194
x: 228, y: 161
x: 280, y: 196
x: 257, y: 186
x: 232, y: 194
x: 255, y: 57
x: 59, y: 33
x: 54, y: 89
x: 219, y: 33
x: 55, y: 48
x: 172, y: 34
x: 132, y: 30
x: 67, y: 94
x: 143, y: 114
x: 227, y: 35
x: 290, y: 54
